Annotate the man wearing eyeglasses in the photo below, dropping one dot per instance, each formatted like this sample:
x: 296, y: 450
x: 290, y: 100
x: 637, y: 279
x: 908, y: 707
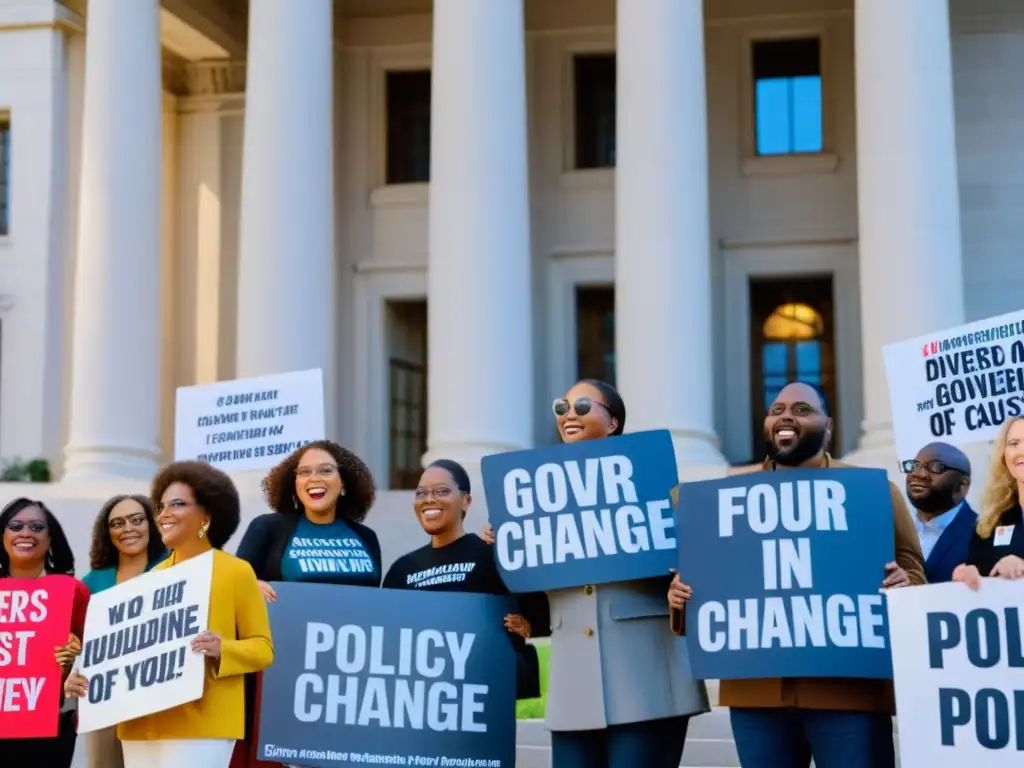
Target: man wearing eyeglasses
x: 937, y: 484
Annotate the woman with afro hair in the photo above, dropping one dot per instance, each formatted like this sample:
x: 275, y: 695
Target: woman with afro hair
x: 319, y: 495
x: 197, y: 511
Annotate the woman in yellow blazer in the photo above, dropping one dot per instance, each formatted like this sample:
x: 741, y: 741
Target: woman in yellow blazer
x: 198, y: 510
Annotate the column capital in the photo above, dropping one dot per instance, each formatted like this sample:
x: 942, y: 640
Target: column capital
x: 205, y: 85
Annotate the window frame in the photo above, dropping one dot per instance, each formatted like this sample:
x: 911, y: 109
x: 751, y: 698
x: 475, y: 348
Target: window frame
x: 596, y: 43
x: 399, y: 59
x: 6, y: 124
x: 825, y: 161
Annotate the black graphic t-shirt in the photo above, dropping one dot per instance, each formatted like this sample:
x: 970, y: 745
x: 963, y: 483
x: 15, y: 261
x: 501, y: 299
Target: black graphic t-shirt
x: 465, y: 565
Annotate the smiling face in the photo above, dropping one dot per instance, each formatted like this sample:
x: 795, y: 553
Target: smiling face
x: 318, y: 483
x: 594, y: 423
x: 440, y: 506
x: 1013, y: 454
x: 27, y: 538
x: 129, y: 528
x: 178, y: 517
x: 796, y: 427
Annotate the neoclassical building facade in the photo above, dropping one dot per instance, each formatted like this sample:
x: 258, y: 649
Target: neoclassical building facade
x: 456, y: 207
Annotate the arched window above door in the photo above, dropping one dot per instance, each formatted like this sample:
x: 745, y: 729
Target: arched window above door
x: 793, y: 322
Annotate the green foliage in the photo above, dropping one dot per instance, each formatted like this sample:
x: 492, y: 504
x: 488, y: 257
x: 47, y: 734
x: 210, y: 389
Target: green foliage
x: 18, y: 471
x: 528, y: 709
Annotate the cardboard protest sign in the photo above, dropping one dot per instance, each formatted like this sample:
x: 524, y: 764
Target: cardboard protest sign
x: 137, y: 650
x: 385, y: 676
x: 249, y: 424
x: 591, y: 512
x: 35, y: 618
x: 957, y: 386
x: 958, y: 669
x: 786, y: 569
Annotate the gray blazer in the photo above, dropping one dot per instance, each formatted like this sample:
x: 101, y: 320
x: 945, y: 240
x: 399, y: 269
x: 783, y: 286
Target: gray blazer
x: 614, y: 659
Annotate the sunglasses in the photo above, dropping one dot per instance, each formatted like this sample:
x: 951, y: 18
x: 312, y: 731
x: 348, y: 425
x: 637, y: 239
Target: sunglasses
x: 935, y: 467
x: 15, y: 526
x: 581, y: 406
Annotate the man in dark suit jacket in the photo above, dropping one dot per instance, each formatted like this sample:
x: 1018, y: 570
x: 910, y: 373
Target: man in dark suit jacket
x: 937, y: 484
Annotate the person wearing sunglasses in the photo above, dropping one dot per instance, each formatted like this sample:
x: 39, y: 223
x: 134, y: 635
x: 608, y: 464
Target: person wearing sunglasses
x: 125, y: 543
x: 938, y: 480
x: 620, y: 690
x: 35, y: 546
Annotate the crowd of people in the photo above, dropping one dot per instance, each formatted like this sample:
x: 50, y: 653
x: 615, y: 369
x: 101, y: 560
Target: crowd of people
x: 620, y: 702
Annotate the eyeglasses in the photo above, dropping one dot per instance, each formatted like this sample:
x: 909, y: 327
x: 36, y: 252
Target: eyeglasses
x: 36, y: 526
x: 935, y: 467
x: 136, y: 520
x: 581, y: 406
x: 326, y: 470
x: 440, y: 492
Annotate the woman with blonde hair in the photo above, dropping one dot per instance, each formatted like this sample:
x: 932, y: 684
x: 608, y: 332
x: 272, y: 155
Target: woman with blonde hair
x: 997, y: 546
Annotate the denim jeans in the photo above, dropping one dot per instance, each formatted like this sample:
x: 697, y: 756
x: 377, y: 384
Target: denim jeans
x: 788, y: 738
x: 651, y: 744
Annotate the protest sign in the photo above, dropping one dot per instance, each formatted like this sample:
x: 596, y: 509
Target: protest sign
x: 35, y: 618
x: 590, y: 512
x: 249, y: 424
x: 137, y: 652
x: 786, y: 569
x: 958, y: 669
x: 957, y: 386
x: 404, y: 678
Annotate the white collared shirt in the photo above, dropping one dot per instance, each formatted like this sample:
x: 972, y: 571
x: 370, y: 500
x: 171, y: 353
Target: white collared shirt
x: 929, y: 532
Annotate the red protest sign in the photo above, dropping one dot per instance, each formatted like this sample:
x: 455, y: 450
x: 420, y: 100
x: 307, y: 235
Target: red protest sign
x: 35, y: 616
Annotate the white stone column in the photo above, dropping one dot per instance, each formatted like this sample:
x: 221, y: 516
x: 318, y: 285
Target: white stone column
x: 115, y: 394
x: 479, y: 315
x: 911, y: 278
x: 286, y: 262
x: 663, y: 314
x: 199, y: 268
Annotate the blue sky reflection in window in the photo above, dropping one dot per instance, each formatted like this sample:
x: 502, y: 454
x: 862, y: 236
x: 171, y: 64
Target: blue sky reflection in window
x: 788, y: 96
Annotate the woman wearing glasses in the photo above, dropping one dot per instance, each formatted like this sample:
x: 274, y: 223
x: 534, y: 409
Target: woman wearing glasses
x: 198, y: 510
x: 456, y: 561
x: 620, y: 690
x: 125, y: 543
x: 320, y: 495
x: 35, y: 546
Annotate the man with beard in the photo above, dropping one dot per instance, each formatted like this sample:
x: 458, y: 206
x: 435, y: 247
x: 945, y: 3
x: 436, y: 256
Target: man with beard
x: 846, y: 722
x: 937, y: 484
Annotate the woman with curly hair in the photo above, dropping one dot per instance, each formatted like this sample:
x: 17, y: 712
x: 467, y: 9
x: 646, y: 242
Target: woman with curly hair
x: 320, y: 495
x: 35, y: 546
x: 997, y: 546
x: 197, y: 511
x: 125, y: 544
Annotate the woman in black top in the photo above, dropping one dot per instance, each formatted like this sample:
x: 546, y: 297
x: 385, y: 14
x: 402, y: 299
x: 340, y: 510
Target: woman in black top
x: 320, y: 495
x: 997, y: 546
x: 456, y: 561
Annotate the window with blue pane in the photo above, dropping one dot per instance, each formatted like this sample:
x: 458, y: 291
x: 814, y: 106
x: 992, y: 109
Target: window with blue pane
x: 788, y: 96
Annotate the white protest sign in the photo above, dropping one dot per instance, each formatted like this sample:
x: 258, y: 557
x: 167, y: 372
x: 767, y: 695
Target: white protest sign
x: 137, y: 650
x: 958, y: 668
x: 957, y: 386
x: 249, y: 424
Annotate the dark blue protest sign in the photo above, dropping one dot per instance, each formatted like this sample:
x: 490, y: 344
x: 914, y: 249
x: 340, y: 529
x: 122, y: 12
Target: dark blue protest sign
x: 590, y: 512
x: 388, y: 677
x: 786, y: 570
